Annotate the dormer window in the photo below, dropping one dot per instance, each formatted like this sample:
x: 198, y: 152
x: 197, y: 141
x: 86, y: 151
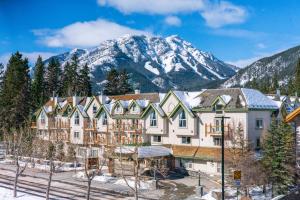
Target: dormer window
x: 133, y: 108
x: 182, y: 119
x: 153, y: 119
x: 94, y: 109
x: 219, y: 108
x: 76, y: 118
x: 43, y: 120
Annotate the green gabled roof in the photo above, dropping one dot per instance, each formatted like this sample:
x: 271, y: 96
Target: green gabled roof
x: 74, y: 109
x: 64, y: 111
x: 148, y: 109
x: 90, y: 103
x: 102, y: 108
x: 218, y: 98
x: 132, y: 102
x: 167, y: 96
x: 177, y: 107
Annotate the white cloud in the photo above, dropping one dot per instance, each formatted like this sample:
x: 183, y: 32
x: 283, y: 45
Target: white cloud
x: 32, y: 56
x: 241, y: 33
x: 154, y: 6
x: 261, y: 46
x: 215, y: 14
x: 223, y: 13
x: 173, y: 21
x: 84, y: 34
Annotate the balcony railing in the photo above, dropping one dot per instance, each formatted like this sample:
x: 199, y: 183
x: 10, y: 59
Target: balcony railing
x: 90, y: 125
x: 58, y: 124
x: 59, y: 136
x: 125, y: 127
x: 213, y: 130
x: 33, y: 125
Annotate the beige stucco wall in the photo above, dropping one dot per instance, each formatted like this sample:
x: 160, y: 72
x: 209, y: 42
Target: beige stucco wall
x: 76, y: 128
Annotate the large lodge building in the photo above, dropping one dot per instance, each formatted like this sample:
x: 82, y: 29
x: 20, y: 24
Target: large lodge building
x: 184, y: 122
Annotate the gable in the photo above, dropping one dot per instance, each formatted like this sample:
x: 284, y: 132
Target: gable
x: 169, y: 103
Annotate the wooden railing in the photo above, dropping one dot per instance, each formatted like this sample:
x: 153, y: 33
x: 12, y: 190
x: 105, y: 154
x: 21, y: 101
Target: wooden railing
x: 58, y: 124
x: 59, y: 136
x: 125, y: 127
x: 104, y: 139
x: 33, y: 125
x: 90, y: 125
x: 214, y: 130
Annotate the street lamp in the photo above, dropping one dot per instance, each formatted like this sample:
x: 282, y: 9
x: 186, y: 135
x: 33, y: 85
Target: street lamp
x: 222, y: 142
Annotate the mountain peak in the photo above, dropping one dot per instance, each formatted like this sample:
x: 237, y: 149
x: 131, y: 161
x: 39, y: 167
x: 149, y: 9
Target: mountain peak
x: 156, y: 63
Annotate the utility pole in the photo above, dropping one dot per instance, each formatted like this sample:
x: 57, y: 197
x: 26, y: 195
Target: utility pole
x: 223, y: 154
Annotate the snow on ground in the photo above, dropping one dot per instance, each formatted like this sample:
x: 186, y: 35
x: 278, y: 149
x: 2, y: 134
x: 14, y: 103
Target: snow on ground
x: 143, y: 184
x: 104, y: 178
x: 7, y: 194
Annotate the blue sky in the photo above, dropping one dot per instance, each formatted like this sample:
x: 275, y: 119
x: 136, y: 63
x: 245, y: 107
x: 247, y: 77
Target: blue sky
x: 235, y: 31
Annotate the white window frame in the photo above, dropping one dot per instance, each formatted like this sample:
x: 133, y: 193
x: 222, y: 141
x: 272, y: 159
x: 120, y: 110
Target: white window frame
x: 43, y: 118
x: 260, y: 125
x: 153, y: 119
x: 76, y: 118
x: 76, y: 135
x: 217, y: 141
x: 182, y: 122
x: 118, y: 109
x: 104, y: 119
x: 95, y: 109
x: 156, y: 138
x: 184, y: 140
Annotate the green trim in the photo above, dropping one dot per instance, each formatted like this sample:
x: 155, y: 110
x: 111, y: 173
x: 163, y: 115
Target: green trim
x: 76, y: 108
x: 177, y: 108
x: 134, y: 101
x: 102, y: 108
x: 166, y: 97
x: 65, y: 113
x: 127, y: 116
x: 90, y: 103
x: 117, y: 102
x: 210, y: 109
x: 216, y: 99
x: 148, y: 109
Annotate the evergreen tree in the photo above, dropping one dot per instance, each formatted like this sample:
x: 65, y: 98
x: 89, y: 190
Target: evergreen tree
x: 124, y: 86
x: 278, y: 156
x: 53, y: 77
x: 15, y: 97
x: 275, y: 83
x: 297, y: 78
x: 111, y: 86
x: 1, y: 76
x: 70, y: 77
x: 84, y: 86
x: 38, y: 84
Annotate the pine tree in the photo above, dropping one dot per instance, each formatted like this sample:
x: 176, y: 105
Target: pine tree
x: 297, y: 78
x: 38, y: 84
x: 53, y: 77
x: 1, y: 76
x: 70, y: 77
x: 15, y: 97
x: 275, y: 83
x: 278, y: 156
x: 111, y: 86
x: 84, y: 86
x: 124, y: 86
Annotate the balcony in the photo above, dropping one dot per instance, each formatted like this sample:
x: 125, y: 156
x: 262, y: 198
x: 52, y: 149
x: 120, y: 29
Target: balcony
x: 213, y: 130
x: 59, y: 124
x: 61, y: 136
x: 126, y: 127
x: 33, y: 125
x: 90, y: 125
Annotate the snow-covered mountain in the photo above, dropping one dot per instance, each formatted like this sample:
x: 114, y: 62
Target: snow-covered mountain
x: 155, y: 63
x: 283, y: 64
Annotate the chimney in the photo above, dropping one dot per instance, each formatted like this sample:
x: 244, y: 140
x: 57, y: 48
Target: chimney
x: 75, y: 100
x: 137, y: 91
x: 102, y: 98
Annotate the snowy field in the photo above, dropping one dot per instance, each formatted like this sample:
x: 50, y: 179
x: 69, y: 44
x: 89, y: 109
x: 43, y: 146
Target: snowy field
x: 7, y: 194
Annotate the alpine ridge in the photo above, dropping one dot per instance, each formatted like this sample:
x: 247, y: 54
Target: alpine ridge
x: 154, y: 63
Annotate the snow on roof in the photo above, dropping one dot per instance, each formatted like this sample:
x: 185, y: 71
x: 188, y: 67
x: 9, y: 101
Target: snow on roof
x: 161, y: 96
x: 124, y: 103
x: 226, y: 98
x: 256, y: 99
x: 145, y: 151
x: 82, y: 111
x: 189, y: 98
x: 143, y: 103
x: 159, y: 109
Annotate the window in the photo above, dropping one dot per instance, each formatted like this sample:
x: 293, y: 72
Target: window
x: 76, y: 135
x: 182, y: 119
x: 153, y: 120
x: 186, y: 140
x: 93, y: 153
x: 156, y: 138
x: 43, y: 118
x: 82, y: 152
x: 104, y: 119
x: 118, y: 109
x: 76, y: 119
x: 217, y: 141
x: 259, y: 124
x: 219, y: 108
x: 257, y: 143
x: 94, y: 109
x: 133, y: 108
x: 218, y: 125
